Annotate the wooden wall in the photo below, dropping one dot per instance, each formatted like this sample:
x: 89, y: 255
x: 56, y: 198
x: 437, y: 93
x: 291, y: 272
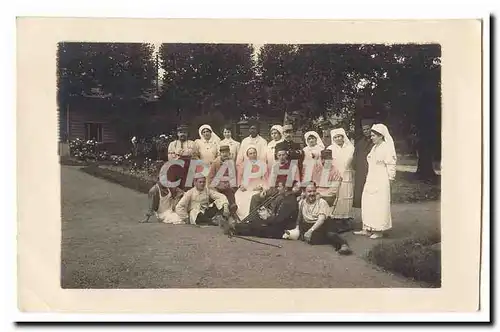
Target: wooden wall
x: 79, y: 115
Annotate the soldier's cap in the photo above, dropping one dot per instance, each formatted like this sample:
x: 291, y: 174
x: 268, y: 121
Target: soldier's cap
x: 281, y: 146
x: 224, y: 148
x: 287, y: 127
x: 182, y: 127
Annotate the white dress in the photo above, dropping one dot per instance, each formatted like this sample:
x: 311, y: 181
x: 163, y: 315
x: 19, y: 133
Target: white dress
x: 376, y: 199
x: 243, y: 198
x: 207, y: 150
x: 342, y: 160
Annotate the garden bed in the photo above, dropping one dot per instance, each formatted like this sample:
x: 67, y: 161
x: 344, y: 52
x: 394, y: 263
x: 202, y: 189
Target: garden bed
x: 122, y: 176
x: 416, y: 258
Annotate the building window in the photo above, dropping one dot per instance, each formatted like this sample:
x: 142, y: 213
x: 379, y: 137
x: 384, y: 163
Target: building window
x: 93, y: 131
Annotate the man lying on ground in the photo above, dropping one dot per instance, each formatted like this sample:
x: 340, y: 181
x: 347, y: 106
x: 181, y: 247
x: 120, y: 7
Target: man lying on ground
x: 202, y: 205
x: 315, y: 226
x: 278, y: 214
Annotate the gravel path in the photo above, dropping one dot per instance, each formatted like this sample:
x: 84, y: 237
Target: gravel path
x: 104, y: 246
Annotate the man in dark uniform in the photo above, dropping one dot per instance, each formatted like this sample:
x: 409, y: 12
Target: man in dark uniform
x: 281, y: 215
x: 359, y: 163
x: 293, y: 149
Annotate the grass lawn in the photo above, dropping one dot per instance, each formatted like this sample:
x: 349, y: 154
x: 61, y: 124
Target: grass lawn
x: 104, y: 246
x: 409, y: 249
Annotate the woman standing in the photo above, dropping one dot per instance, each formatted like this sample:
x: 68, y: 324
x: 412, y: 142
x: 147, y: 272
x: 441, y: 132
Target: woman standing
x: 207, y: 145
x: 277, y: 136
x: 312, y: 153
x: 228, y: 140
x: 376, y: 199
x: 252, y: 178
x: 342, y: 153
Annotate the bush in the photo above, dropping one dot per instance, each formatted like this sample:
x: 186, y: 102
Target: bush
x: 87, y: 150
x: 412, y: 258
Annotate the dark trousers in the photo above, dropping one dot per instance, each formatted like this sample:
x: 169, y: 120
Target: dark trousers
x: 261, y: 228
x: 208, y: 216
x: 328, y: 233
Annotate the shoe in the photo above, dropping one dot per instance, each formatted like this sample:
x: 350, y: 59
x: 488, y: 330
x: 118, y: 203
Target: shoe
x: 227, y: 225
x: 362, y: 232
x: 218, y: 220
x: 345, y: 250
x: 145, y: 220
x: 376, y: 236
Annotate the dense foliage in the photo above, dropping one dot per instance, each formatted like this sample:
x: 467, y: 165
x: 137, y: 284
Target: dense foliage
x: 217, y: 83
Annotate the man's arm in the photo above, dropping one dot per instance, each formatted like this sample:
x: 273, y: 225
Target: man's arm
x: 318, y: 223
x: 220, y: 200
x: 182, y: 207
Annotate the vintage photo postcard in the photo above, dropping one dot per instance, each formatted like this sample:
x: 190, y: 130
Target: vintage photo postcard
x: 204, y: 166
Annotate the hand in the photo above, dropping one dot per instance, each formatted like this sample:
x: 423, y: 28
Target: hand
x: 307, y: 235
x: 243, y: 188
x: 258, y: 188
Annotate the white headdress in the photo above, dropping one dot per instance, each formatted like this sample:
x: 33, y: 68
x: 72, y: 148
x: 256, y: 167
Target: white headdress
x: 382, y: 130
x: 278, y: 128
x: 340, y: 131
x: 318, y: 139
x: 214, y: 135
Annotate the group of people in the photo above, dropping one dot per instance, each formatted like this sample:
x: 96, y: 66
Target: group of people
x: 278, y: 189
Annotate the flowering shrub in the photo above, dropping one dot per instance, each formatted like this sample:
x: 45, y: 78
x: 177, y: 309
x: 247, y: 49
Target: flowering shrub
x: 141, y: 161
x: 84, y: 150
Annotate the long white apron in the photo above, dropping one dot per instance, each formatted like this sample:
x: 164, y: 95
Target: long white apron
x: 376, y: 199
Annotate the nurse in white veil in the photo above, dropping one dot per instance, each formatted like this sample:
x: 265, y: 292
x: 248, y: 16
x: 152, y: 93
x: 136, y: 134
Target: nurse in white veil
x: 376, y: 199
x: 342, y: 153
x: 207, y: 145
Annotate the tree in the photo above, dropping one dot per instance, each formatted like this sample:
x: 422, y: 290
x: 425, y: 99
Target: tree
x: 203, y: 78
x: 124, y: 70
x: 122, y: 74
x: 411, y: 84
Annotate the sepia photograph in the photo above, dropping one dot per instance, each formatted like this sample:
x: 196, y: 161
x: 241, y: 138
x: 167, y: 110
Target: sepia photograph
x: 237, y: 166
x: 249, y: 166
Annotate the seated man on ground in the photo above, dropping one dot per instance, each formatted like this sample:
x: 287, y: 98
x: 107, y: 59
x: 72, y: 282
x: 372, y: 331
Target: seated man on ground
x: 274, y: 217
x: 202, y: 205
x: 315, y: 226
x: 162, y: 202
x: 224, y: 187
